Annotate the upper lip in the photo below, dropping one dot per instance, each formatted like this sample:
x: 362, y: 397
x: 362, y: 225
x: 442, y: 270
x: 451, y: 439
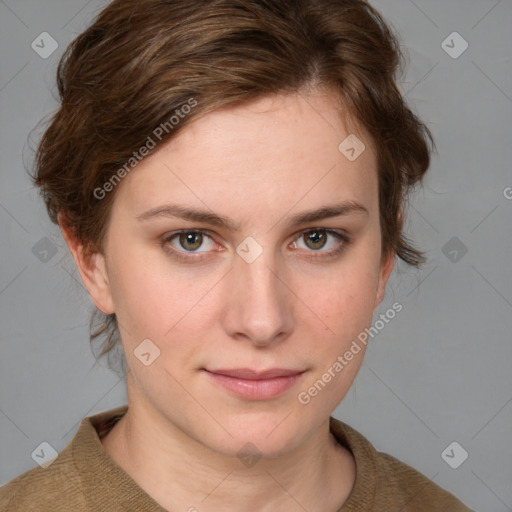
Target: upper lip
x: 247, y: 373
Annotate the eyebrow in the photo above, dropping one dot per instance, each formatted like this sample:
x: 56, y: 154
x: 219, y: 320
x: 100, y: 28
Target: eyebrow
x: 208, y: 217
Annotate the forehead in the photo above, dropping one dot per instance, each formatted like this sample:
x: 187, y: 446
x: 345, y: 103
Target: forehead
x: 277, y: 151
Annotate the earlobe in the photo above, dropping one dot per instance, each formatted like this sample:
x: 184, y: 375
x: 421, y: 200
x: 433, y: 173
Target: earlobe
x: 92, y: 269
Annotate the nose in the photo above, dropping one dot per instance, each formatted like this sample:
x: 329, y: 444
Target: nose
x: 260, y: 305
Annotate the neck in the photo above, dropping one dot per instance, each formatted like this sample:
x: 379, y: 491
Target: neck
x: 180, y: 473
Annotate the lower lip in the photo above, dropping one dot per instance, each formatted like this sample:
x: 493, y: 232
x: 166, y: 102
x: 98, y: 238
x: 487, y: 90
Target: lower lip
x: 252, y: 389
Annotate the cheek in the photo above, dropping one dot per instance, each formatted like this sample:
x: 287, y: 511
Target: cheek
x: 147, y: 305
x: 345, y: 302
x: 149, y: 292
x: 141, y: 299
x: 168, y: 308
x: 336, y: 354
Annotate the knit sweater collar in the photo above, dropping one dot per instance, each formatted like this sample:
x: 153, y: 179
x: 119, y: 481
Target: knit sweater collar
x: 106, y: 485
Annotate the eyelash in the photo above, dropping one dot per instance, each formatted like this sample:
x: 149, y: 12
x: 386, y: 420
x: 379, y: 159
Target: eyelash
x: 344, y: 239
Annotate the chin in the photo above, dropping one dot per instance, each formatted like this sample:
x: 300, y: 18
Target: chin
x: 268, y: 435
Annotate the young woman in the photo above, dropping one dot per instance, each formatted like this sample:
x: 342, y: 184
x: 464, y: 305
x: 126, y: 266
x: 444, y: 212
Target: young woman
x: 230, y: 179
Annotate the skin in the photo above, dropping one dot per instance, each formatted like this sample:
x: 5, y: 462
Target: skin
x: 258, y: 165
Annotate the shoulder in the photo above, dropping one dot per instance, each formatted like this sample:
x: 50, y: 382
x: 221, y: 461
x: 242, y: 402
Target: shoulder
x: 392, y: 484
x: 417, y: 492
x: 81, y: 477
x: 56, y: 488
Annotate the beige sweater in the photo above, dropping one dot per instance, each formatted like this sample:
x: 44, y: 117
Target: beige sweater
x: 84, y: 478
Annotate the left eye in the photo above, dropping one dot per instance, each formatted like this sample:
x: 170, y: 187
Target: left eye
x: 317, y: 239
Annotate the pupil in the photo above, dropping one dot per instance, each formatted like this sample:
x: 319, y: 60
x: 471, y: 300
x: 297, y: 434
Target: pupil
x: 188, y: 238
x: 316, y: 238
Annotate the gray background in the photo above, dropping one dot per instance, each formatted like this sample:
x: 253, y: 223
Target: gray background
x: 439, y: 372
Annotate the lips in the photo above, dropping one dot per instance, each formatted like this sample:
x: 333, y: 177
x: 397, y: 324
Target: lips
x: 255, y: 385
x: 246, y: 373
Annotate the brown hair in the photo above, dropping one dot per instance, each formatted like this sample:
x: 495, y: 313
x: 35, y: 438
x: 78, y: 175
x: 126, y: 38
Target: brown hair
x: 142, y: 61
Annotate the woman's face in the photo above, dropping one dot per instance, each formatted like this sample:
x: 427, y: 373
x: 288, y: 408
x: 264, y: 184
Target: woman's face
x: 259, y: 291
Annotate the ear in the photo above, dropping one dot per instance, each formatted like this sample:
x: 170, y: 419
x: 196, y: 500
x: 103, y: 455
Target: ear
x: 92, y: 269
x: 386, y: 268
x: 385, y: 271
